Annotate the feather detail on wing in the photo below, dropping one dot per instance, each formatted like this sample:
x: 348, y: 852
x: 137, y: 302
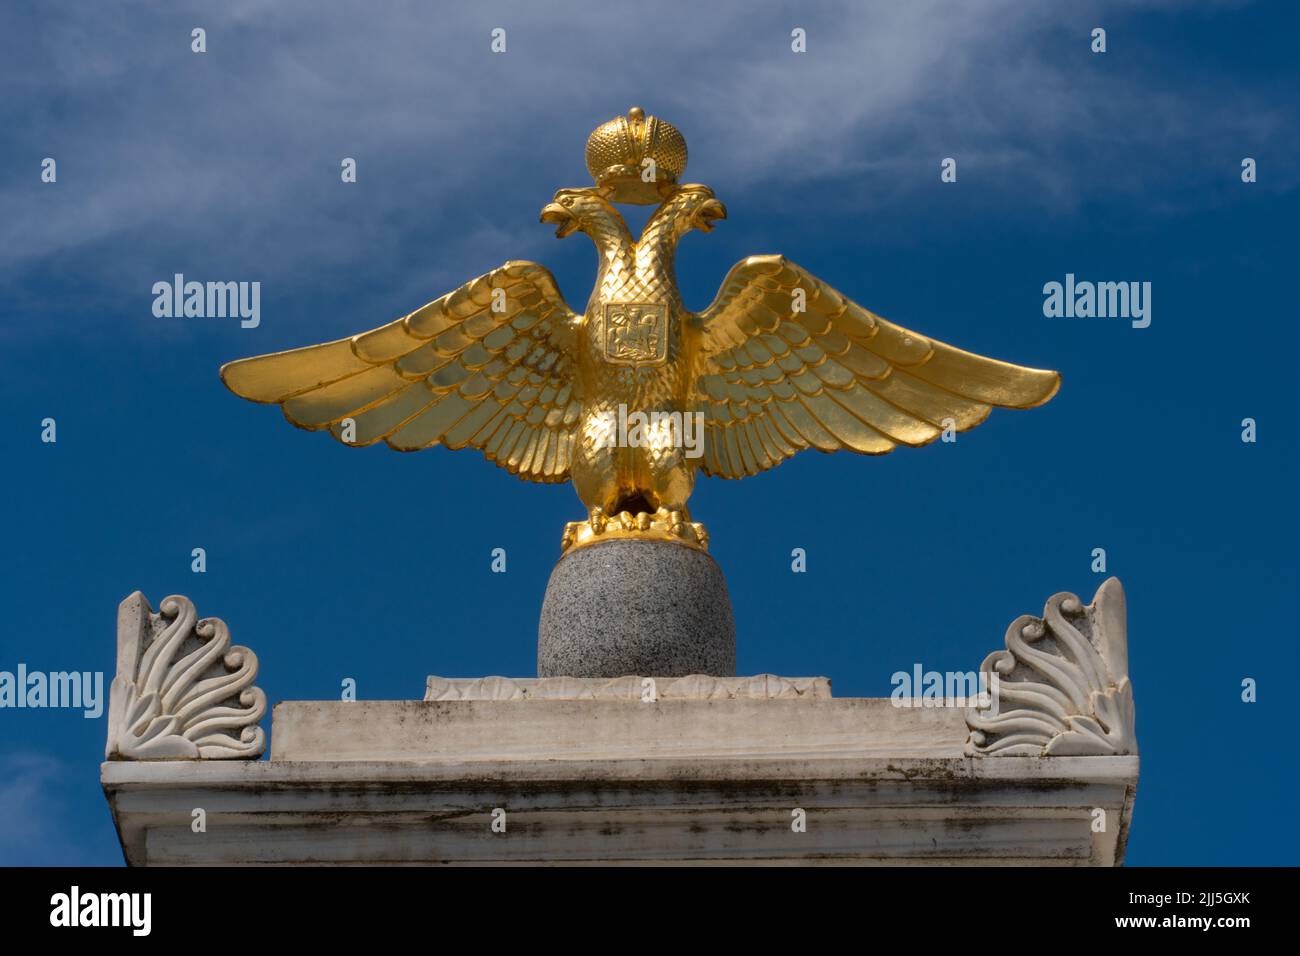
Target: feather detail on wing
x: 455, y: 372
x: 772, y: 380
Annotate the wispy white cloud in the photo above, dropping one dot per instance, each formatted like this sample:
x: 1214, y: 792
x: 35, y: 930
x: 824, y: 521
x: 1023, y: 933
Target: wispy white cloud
x: 233, y: 154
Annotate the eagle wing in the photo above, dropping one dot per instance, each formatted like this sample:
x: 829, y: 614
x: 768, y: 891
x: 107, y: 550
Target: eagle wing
x: 772, y: 380
x: 456, y: 372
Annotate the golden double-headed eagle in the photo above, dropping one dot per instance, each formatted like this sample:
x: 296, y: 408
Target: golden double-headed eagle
x: 779, y: 362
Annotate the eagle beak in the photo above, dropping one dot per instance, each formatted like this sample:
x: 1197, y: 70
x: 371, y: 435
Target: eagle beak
x: 709, y: 213
x: 553, y: 212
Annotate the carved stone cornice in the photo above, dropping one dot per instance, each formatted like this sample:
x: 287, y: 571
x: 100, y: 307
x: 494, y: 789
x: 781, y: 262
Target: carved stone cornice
x: 182, y: 691
x: 1062, y: 686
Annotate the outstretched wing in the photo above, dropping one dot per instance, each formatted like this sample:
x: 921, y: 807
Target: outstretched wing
x: 457, y: 372
x: 772, y: 380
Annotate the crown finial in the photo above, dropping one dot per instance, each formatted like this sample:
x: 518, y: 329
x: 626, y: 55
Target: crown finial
x: 637, y: 158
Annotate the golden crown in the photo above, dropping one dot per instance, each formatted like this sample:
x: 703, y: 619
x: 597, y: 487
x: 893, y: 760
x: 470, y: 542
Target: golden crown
x: 617, y: 152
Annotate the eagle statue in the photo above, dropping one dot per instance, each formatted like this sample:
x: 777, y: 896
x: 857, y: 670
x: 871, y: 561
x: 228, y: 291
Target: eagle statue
x: 779, y: 362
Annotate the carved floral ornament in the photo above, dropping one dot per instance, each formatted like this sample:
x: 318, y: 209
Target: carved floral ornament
x: 182, y: 690
x: 1063, y: 687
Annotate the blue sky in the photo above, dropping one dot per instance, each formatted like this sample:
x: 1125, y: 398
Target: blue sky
x: 333, y: 562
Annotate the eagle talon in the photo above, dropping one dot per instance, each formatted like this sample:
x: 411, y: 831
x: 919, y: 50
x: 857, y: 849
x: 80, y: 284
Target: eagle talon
x: 570, y: 534
x: 598, y: 520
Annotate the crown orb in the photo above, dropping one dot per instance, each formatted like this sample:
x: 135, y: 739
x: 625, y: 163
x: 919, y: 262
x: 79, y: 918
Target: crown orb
x: 636, y: 158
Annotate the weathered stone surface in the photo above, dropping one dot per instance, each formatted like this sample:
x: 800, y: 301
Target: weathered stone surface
x: 693, y: 687
x: 333, y: 730
x: 686, y: 779
x: 624, y: 607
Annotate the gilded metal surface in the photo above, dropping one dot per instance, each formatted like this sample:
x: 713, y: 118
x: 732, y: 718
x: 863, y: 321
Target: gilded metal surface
x: 634, y: 333
x: 659, y: 527
x: 779, y: 362
x: 619, y: 151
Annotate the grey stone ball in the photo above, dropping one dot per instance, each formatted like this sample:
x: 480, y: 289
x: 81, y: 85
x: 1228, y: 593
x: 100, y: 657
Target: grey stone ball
x: 641, y: 607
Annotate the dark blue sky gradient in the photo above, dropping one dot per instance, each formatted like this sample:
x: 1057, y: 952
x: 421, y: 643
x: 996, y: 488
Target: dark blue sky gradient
x: 333, y: 562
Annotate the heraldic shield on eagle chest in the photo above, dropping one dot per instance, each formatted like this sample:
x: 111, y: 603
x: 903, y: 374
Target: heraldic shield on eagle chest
x: 631, y: 397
